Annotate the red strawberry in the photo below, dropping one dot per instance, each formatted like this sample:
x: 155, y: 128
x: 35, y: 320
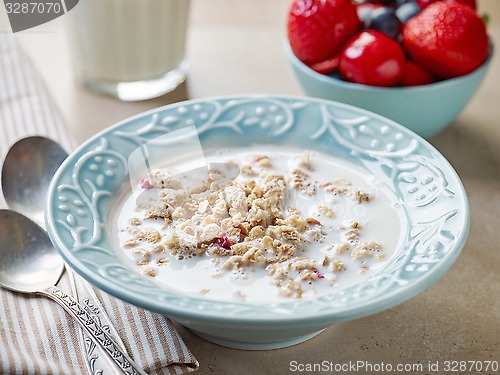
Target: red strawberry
x: 317, y: 29
x: 446, y: 39
x: 471, y: 3
x: 327, y: 66
x: 372, y: 58
x: 423, y: 3
x: 414, y: 75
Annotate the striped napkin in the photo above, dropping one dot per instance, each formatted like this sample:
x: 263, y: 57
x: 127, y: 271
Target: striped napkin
x: 36, y: 335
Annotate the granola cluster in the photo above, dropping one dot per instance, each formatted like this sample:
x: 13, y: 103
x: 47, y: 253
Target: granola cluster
x: 248, y: 223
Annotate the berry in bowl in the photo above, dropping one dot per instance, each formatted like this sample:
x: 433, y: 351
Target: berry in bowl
x: 417, y: 62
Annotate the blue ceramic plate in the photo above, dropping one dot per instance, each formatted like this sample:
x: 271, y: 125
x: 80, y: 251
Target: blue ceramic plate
x: 431, y: 197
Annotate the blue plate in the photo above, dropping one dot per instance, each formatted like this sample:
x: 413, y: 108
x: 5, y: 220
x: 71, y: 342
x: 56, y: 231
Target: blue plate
x: 434, y: 204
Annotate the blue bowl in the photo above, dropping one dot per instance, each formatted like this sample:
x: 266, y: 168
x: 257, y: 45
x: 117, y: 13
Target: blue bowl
x: 424, y: 109
x: 430, y: 197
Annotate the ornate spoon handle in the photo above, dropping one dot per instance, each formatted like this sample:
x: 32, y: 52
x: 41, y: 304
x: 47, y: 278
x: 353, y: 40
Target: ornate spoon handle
x: 93, y: 329
x: 97, y: 360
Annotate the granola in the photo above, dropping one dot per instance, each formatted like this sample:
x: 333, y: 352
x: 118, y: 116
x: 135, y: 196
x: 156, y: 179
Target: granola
x: 252, y: 224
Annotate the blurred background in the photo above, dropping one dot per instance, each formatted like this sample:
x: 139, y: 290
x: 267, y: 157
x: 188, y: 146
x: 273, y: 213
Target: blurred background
x: 232, y: 48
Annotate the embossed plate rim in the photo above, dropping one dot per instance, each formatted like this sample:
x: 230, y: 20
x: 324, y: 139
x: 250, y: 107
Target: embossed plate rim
x: 198, y: 308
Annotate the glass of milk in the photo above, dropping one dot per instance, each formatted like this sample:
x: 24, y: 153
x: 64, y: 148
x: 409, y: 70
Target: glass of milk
x: 130, y: 49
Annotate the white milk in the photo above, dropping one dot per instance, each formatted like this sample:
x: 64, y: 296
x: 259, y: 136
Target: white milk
x: 118, y: 41
x: 379, y: 219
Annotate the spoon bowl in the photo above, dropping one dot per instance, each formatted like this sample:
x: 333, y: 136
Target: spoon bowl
x: 27, y: 171
x: 29, y: 263
x: 28, y: 260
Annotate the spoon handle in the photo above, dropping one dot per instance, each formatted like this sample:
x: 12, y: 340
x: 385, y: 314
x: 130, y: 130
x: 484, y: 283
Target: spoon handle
x: 96, y: 359
x: 95, y: 331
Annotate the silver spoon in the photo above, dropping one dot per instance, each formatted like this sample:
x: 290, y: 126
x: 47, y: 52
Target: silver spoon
x: 28, y: 168
x: 29, y: 263
x: 27, y: 171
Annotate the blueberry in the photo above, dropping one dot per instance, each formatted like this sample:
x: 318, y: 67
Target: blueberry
x: 401, y: 2
x: 336, y: 74
x: 364, y: 12
x: 407, y: 11
x: 384, y: 20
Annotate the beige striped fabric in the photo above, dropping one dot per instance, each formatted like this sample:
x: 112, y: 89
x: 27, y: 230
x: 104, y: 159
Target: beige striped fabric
x: 36, y: 335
